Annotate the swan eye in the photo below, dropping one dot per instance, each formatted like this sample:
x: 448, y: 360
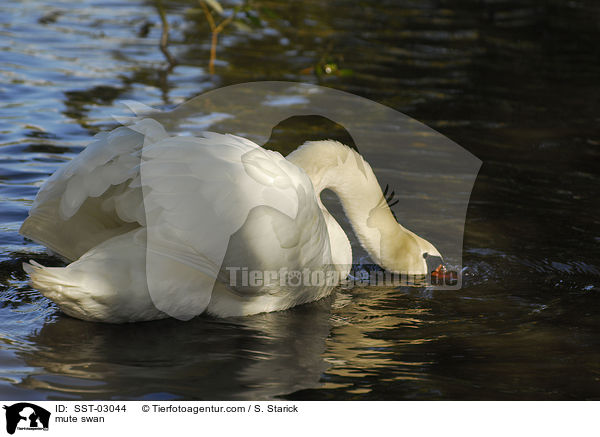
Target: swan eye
x: 425, y: 255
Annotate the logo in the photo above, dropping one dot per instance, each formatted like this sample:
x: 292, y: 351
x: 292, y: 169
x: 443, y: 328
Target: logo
x: 25, y: 416
x: 404, y: 152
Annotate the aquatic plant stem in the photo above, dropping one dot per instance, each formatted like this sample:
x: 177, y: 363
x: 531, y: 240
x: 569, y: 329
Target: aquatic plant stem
x: 215, y: 30
x: 164, y: 37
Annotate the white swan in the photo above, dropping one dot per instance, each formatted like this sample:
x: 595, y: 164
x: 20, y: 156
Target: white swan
x: 160, y: 226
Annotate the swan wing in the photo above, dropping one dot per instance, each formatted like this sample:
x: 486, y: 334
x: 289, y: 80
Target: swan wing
x: 279, y: 245
x: 198, y: 192
x: 94, y: 197
x: 276, y: 260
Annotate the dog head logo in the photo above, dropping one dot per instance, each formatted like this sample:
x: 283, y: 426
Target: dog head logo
x: 26, y: 416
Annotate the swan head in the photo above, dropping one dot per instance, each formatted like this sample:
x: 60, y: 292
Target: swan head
x: 398, y: 250
x: 405, y: 252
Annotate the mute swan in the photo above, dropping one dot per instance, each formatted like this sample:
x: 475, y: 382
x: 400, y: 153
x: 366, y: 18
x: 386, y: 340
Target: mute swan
x: 158, y: 225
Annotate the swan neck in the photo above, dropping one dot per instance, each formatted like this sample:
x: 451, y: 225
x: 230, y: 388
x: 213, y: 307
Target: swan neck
x: 331, y: 165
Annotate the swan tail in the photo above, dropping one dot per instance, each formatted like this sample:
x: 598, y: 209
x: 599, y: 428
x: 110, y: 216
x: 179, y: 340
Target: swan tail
x: 58, y: 285
x: 83, y: 292
x: 52, y: 282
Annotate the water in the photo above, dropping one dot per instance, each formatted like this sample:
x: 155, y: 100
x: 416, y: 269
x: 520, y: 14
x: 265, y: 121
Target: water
x: 515, y: 83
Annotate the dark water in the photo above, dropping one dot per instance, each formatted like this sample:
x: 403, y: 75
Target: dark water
x: 514, y: 82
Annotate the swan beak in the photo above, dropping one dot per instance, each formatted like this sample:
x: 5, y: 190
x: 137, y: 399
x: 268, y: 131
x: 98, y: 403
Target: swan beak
x: 441, y: 275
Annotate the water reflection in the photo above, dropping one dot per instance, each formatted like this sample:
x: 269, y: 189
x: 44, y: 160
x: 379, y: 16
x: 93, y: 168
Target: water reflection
x: 259, y: 357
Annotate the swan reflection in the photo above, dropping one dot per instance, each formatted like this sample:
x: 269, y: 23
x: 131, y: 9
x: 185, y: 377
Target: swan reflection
x: 258, y: 357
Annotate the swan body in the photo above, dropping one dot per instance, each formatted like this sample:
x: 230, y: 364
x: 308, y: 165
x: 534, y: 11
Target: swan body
x: 158, y: 226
